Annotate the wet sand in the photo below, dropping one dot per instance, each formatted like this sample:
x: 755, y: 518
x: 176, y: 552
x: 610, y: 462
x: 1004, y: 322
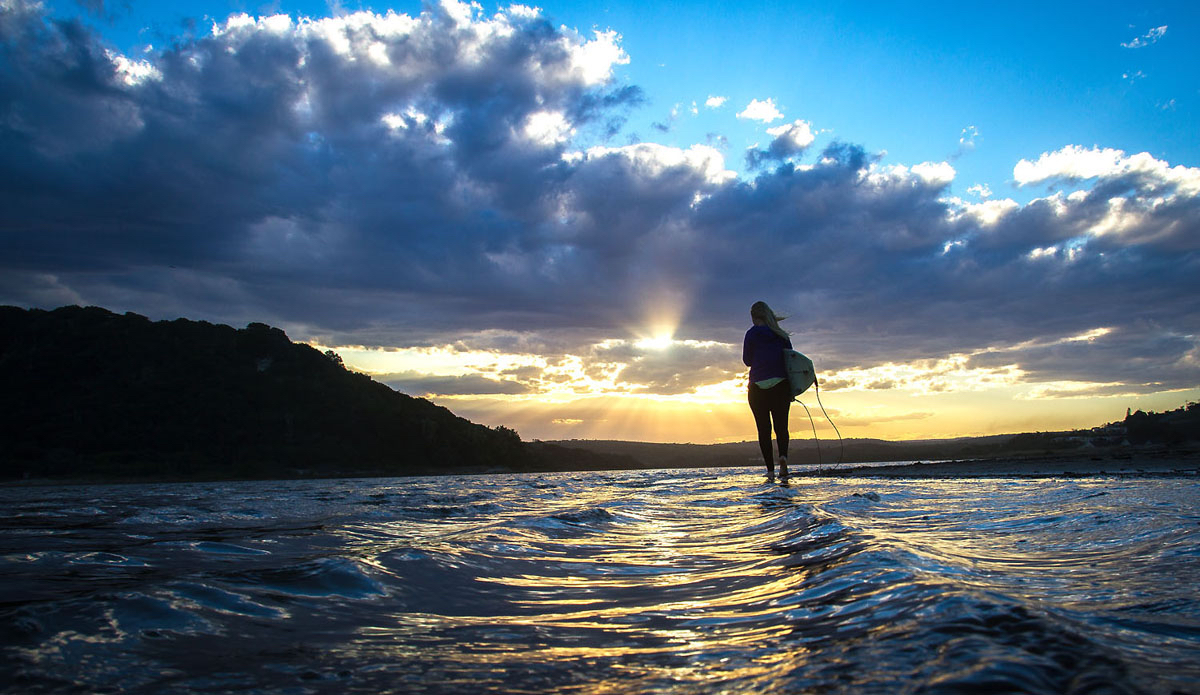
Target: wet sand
x: 1158, y: 463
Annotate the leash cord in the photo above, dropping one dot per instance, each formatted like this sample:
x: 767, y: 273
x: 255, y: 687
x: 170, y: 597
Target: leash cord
x: 841, y: 443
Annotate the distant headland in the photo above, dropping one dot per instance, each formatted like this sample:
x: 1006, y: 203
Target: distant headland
x: 91, y: 395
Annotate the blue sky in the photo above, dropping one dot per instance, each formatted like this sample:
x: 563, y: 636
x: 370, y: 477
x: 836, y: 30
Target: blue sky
x: 981, y: 86
x: 981, y: 220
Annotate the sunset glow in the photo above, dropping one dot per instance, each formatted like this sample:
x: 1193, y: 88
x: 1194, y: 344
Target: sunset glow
x: 556, y: 218
x: 578, y: 397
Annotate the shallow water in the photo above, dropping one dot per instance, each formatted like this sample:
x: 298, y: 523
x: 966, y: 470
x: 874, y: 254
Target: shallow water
x: 685, y: 581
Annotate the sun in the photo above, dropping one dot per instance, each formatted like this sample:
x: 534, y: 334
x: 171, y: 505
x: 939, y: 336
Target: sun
x: 659, y: 341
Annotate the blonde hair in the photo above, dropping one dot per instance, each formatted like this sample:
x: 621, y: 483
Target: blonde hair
x: 760, y: 310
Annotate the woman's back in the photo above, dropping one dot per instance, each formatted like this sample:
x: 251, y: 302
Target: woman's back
x: 762, y: 352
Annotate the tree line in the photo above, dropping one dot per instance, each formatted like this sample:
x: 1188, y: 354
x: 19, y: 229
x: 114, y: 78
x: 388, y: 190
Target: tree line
x: 89, y: 393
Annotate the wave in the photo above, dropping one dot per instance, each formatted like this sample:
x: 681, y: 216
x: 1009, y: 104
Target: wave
x: 680, y: 581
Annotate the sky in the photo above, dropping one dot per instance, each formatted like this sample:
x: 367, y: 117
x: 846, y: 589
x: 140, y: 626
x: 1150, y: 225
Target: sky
x: 555, y: 218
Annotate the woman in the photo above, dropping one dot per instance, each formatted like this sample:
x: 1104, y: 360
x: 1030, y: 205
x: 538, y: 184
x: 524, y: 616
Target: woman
x: 770, y: 394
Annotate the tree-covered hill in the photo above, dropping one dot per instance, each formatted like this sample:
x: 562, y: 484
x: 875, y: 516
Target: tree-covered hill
x: 89, y: 393
x: 1172, y: 427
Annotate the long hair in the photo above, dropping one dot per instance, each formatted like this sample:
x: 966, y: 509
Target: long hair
x: 760, y: 310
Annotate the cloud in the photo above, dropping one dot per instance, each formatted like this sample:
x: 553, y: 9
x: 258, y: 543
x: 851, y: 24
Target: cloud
x: 981, y: 189
x: 868, y: 420
x: 935, y: 172
x: 548, y: 128
x: 968, y: 137
x: 764, y: 111
x: 789, y: 140
x: 1075, y: 163
x: 669, y: 124
x: 713, y: 102
x: 294, y: 145
x: 680, y: 367
x: 1124, y: 360
x: 418, y: 384
x: 1149, y: 38
x: 103, y: 9
x: 444, y: 180
x: 655, y: 161
x: 798, y: 135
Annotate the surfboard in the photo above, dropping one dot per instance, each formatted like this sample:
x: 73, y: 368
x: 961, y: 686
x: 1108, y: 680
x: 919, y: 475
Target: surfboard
x: 800, y: 371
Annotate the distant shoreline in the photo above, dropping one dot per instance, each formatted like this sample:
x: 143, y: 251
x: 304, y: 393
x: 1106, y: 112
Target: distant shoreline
x: 1149, y: 464
x: 1159, y: 463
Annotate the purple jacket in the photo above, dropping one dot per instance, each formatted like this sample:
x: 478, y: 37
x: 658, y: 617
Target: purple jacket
x: 762, y: 352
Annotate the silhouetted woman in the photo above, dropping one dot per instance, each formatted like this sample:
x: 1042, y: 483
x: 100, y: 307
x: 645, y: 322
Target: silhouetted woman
x: 770, y: 394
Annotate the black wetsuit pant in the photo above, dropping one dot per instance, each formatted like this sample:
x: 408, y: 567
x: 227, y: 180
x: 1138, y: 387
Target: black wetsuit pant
x: 771, y: 405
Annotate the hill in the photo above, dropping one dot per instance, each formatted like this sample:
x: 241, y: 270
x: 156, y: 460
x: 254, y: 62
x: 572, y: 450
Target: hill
x: 92, y: 394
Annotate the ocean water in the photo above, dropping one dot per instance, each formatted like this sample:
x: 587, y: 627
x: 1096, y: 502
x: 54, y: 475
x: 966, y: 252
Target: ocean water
x: 683, y: 581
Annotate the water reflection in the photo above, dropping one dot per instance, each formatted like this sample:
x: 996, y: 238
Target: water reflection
x: 685, y: 581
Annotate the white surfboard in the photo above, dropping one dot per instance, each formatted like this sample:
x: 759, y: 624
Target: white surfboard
x: 801, y: 373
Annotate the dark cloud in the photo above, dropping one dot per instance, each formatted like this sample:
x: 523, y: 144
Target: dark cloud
x: 386, y: 180
x: 788, y: 141
x: 717, y: 140
x: 1140, y: 356
x: 107, y: 10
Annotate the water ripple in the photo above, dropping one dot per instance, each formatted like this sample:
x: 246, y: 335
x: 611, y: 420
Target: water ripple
x: 677, y: 581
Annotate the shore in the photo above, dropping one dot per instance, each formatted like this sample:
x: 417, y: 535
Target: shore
x: 1165, y: 463
x: 1125, y: 463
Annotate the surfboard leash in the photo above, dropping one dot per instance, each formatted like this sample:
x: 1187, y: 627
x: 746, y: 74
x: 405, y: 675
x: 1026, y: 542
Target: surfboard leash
x: 814, y: 429
x: 842, y: 444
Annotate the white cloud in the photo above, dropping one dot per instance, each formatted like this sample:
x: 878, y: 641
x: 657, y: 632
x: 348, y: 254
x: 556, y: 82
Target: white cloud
x: 461, y: 12
x: 1074, y: 162
x: 134, y: 72
x: 981, y: 189
x: 931, y: 174
x: 798, y: 134
x: 953, y: 373
x: 593, y: 60
x: 764, y: 111
x: 377, y: 51
x: 394, y: 121
x: 548, y: 128
x: 989, y: 212
x: 1148, y: 38
x: 935, y: 172
x: 654, y: 159
x: 984, y: 214
x: 1120, y: 217
x: 525, y: 11
x: 715, y: 102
